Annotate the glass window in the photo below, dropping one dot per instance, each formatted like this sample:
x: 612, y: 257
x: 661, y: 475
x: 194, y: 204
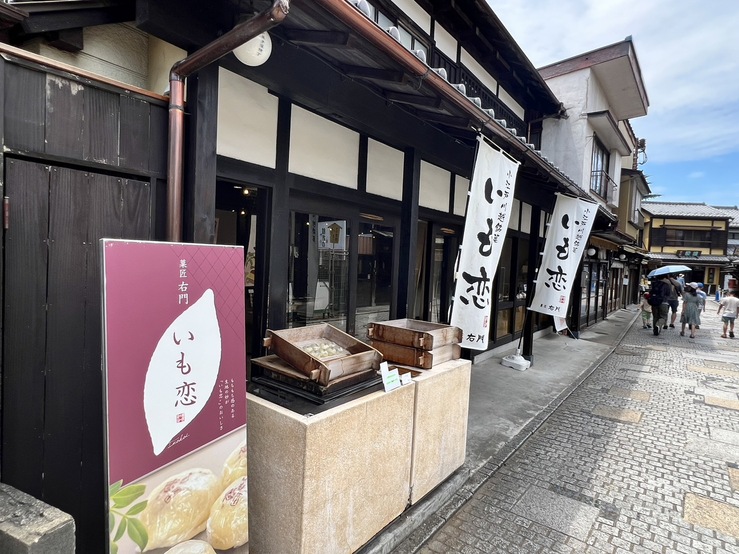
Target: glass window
x: 599, y: 169
x: 318, y: 270
x: 504, y: 272
x: 374, y: 275
x: 522, y: 268
x: 503, y: 323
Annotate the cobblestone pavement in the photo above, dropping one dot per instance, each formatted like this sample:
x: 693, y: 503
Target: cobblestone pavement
x: 642, y: 457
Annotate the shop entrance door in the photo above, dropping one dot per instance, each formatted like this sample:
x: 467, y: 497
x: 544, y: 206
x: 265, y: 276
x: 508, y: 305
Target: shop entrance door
x: 240, y: 220
x: 436, y: 253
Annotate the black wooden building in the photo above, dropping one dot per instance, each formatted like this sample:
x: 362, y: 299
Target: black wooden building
x: 86, y: 157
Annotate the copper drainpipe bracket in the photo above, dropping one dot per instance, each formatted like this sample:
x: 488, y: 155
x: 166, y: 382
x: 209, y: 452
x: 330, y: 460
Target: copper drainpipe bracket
x: 181, y: 70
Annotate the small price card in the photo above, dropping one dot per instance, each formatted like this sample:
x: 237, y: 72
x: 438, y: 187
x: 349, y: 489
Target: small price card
x: 390, y: 377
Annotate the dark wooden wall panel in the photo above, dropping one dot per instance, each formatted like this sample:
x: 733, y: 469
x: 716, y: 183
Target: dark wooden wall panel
x: 158, y: 135
x: 69, y: 199
x: 64, y: 117
x: 134, y: 133
x: 106, y: 219
x: 24, y: 340
x: 25, y: 93
x: 100, y: 140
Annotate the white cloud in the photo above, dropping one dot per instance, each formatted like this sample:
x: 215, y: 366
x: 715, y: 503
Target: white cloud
x: 688, y: 61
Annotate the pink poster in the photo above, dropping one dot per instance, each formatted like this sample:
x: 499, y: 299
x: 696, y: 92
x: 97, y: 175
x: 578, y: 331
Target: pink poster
x: 175, y: 372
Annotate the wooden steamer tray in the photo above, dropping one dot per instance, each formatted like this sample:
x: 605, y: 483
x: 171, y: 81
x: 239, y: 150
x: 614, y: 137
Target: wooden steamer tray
x: 272, y: 371
x: 355, y: 356
x: 414, y: 333
x: 424, y: 359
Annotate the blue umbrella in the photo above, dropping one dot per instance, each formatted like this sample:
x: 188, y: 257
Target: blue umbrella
x: 667, y: 269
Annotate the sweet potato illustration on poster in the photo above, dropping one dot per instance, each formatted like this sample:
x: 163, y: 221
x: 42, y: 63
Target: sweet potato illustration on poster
x: 176, y: 397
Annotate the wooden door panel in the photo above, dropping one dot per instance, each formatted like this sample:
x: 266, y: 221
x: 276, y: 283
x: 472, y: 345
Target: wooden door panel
x: 24, y: 338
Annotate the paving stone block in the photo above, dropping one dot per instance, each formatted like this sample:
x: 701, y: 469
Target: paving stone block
x: 706, y: 512
x: 29, y: 526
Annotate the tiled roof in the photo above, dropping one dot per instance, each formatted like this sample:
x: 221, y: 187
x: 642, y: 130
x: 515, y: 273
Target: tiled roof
x: 658, y: 256
x: 684, y: 209
x: 731, y: 211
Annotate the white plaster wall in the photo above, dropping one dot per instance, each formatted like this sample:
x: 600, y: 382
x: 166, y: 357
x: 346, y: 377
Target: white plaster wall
x: 416, y: 13
x: 118, y: 51
x: 322, y: 149
x: 508, y: 100
x: 461, y: 188
x: 485, y: 78
x: 515, y: 214
x: 568, y: 142
x: 162, y: 56
x: 435, y: 187
x: 525, y: 217
x: 247, y: 120
x: 597, y: 101
x: 384, y: 170
x: 445, y: 42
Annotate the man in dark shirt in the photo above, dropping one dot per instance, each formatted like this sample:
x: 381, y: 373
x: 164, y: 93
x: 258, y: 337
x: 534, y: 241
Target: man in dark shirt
x: 659, y: 296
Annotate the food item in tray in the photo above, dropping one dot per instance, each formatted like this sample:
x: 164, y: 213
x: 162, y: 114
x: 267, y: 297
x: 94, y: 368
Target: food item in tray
x: 228, y: 524
x: 191, y: 547
x: 178, y: 508
x: 322, y: 349
x: 235, y: 465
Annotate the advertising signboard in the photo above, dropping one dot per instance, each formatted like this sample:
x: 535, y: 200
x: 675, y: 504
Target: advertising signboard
x: 175, y: 387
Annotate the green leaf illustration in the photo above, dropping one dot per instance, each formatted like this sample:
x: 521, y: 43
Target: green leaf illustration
x: 113, y: 548
x: 121, y: 529
x: 137, y: 532
x: 127, y: 495
x: 136, y: 509
x: 111, y: 522
x: 115, y: 487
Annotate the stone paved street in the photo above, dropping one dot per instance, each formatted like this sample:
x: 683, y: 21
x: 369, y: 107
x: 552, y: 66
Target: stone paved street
x: 642, y: 457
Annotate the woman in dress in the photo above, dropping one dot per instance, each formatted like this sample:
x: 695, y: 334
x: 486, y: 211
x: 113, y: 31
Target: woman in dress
x: 691, y: 312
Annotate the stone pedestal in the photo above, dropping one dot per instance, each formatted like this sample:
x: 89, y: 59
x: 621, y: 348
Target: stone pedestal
x: 331, y: 481
x: 440, y: 425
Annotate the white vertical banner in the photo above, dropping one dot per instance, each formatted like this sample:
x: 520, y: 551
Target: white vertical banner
x: 488, y: 212
x: 569, y: 229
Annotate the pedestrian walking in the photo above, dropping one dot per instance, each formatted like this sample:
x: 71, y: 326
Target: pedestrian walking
x: 659, y: 296
x: 646, y: 312
x: 730, y: 306
x: 703, y: 296
x: 673, y: 302
x: 690, y: 314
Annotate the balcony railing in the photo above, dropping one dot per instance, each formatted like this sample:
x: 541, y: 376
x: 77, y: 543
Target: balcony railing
x: 474, y: 87
x: 637, y: 219
x: 602, y: 185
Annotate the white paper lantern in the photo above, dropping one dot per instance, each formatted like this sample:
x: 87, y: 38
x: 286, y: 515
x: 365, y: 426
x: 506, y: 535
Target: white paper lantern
x: 256, y: 51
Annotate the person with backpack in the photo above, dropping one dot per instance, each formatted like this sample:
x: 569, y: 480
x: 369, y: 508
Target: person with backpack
x: 659, y: 295
x: 676, y: 291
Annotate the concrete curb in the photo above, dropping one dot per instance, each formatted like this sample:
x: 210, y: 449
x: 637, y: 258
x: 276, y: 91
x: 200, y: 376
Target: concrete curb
x: 418, y: 524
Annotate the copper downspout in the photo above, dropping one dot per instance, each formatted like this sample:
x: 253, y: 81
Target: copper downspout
x: 350, y: 15
x: 243, y: 32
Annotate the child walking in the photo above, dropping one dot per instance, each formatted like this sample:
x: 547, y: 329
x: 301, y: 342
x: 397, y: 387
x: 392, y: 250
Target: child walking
x: 646, y: 312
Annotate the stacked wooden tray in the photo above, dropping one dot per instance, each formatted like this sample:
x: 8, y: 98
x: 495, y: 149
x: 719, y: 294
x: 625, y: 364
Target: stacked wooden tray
x: 415, y: 343
x: 322, y: 353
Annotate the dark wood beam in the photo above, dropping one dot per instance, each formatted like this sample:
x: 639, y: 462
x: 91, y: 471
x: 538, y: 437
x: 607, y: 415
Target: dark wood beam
x: 373, y: 73
x: 317, y: 38
x: 69, y: 40
x: 75, y: 19
x: 413, y: 99
x: 445, y: 119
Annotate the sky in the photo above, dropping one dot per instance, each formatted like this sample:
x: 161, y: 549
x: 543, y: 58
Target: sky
x: 689, y: 58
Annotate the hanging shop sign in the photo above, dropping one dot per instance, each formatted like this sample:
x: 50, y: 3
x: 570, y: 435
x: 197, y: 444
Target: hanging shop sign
x: 175, y: 389
x: 488, y: 212
x: 567, y: 237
